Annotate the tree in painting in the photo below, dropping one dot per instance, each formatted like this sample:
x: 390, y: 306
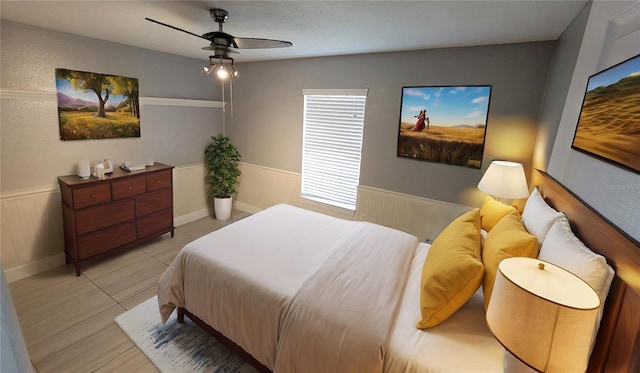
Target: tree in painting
x: 96, y: 83
x: 128, y: 88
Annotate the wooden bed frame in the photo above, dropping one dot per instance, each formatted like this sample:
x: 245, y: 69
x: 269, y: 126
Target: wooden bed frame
x: 617, y: 347
x: 222, y: 339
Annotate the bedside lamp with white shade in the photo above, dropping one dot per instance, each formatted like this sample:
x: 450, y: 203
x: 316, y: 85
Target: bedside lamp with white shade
x: 504, y: 180
x: 543, y: 315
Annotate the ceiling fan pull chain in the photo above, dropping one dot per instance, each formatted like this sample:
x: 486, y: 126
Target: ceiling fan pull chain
x: 224, y: 116
x: 231, y: 94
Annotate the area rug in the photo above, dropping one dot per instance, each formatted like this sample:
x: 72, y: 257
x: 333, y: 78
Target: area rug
x: 175, y: 347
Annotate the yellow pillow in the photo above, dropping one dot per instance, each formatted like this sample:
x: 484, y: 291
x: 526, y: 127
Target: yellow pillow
x: 452, y: 271
x: 508, y: 238
x: 492, y: 211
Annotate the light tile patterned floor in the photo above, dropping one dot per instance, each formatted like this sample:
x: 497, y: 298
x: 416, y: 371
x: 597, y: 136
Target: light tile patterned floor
x: 67, y: 320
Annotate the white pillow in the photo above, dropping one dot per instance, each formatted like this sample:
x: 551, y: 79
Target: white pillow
x: 538, y: 216
x: 562, y: 248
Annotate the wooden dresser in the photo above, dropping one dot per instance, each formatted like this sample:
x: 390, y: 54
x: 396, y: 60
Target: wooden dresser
x: 105, y: 216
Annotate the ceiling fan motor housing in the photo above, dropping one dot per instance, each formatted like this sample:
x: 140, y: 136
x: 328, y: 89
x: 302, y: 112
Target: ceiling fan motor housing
x: 219, y: 15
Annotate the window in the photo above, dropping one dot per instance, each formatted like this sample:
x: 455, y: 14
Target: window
x: 331, y: 145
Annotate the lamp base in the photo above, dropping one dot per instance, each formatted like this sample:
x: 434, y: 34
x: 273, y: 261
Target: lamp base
x: 513, y: 365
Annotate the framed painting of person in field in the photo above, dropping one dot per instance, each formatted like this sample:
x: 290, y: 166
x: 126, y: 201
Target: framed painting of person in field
x: 96, y: 106
x: 445, y: 124
x: 609, y: 123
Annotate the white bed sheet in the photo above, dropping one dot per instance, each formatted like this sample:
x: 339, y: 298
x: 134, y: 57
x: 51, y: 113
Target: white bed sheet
x: 461, y: 343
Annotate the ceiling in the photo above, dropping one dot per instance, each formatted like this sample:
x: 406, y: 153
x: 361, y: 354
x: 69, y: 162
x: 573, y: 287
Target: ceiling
x: 316, y: 28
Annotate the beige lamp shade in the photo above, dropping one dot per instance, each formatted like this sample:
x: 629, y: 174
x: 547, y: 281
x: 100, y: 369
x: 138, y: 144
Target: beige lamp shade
x: 544, y: 317
x: 504, y: 180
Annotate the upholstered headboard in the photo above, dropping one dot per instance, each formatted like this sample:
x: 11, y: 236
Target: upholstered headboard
x: 617, y: 346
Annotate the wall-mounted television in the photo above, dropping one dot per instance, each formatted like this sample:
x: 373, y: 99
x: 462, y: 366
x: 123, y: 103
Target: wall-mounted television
x: 609, y: 123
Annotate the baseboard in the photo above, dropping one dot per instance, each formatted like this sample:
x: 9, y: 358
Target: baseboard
x: 30, y: 269
x: 245, y: 207
x: 188, y: 218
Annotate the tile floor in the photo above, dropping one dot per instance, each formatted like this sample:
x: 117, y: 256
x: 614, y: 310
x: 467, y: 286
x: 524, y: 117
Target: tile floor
x: 67, y: 320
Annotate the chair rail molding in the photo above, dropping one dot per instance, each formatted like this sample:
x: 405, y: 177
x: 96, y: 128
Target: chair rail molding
x: 11, y: 94
x: 162, y: 101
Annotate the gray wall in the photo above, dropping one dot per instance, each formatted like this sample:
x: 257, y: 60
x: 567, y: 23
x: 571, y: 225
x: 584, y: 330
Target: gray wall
x: 267, y: 121
x: 32, y: 154
x: 560, y: 74
x: 613, y: 191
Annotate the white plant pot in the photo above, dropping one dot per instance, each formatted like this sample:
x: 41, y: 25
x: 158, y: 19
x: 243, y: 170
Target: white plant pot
x: 222, y: 208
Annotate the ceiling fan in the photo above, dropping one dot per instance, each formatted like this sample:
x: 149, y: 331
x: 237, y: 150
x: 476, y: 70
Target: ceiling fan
x: 222, y: 43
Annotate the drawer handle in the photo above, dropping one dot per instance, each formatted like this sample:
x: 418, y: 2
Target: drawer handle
x: 159, y: 181
x: 93, y: 195
x: 130, y: 187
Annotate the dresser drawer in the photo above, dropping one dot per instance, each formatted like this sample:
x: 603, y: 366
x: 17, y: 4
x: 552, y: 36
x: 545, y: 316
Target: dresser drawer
x: 130, y: 187
x: 158, y: 180
x: 153, y: 202
x: 100, y: 217
x: 161, y: 221
x: 105, y: 240
x: 91, y: 195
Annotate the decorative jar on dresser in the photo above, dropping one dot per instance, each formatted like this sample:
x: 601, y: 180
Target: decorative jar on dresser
x: 105, y: 216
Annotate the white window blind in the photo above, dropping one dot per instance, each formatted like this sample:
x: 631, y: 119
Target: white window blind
x: 332, y: 145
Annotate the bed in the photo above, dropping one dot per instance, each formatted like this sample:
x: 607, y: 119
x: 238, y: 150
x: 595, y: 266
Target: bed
x: 268, y: 291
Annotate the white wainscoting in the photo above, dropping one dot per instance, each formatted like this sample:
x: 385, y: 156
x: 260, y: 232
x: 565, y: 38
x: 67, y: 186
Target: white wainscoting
x: 423, y: 217
x: 190, y: 201
x: 32, y: 234
x: 261, y: 187
x: 31, y: 231
x: 31, y: 223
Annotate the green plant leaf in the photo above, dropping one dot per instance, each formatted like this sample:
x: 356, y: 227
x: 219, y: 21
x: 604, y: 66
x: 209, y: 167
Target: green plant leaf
x: 222, y: 159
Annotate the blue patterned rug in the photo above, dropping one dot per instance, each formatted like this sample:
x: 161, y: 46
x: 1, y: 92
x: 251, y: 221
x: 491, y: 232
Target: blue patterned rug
x: 174, y: 347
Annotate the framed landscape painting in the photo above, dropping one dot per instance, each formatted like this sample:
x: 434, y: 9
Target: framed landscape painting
x: 609, y: 123
x: 96, y: 106
x: 444, y: 124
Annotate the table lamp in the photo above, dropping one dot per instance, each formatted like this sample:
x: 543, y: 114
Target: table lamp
x: 543, y: 315
x: 504, y: 180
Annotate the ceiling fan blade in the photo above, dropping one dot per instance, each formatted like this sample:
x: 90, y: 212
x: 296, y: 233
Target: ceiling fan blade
x: 256, y: 43
x: 175, y: 28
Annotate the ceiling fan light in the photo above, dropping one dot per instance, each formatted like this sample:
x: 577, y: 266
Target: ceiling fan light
x: 234, y: 72
x: 222, y: 73
x: 208, y: 69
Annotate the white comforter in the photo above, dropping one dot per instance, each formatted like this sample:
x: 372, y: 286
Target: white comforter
x: 341, y: 318
x: 241, y: 278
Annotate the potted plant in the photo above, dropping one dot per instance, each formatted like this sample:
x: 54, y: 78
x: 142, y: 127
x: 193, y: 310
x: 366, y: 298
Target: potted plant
x: 222, y: 160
